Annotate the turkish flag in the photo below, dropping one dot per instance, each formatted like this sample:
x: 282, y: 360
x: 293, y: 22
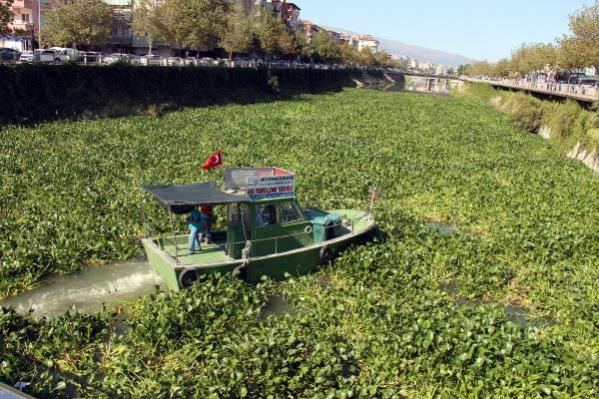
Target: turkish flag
x: 213, y: 161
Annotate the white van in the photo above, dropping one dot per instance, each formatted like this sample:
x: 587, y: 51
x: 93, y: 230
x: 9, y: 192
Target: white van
x: 49, y: 56
x: 66, y: 54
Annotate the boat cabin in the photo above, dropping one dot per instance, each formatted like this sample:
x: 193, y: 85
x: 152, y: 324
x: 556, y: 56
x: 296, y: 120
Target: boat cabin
x: 271, y: 220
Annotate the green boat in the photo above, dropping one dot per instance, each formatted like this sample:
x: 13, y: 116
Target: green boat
x: 267, y: 233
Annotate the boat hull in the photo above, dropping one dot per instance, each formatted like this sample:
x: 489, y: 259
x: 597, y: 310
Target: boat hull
x: 276, y: 266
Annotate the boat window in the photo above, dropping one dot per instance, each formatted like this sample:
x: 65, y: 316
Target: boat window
x: 289, y: 212
x: 266, y: 215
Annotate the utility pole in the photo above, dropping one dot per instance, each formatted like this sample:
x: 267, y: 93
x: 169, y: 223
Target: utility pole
x: 39, y: 24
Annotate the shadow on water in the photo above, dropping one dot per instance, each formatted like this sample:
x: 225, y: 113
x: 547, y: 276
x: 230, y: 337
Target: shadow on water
x: 442, y: 228
x: 88, y: 290
x: 276, y: 306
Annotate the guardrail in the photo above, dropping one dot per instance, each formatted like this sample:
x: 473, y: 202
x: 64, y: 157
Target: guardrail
x: 101, y: 59
x: 575, y: 91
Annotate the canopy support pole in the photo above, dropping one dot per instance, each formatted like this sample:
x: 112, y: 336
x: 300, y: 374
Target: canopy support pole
x: 143, y: 214
x: 170, y: 216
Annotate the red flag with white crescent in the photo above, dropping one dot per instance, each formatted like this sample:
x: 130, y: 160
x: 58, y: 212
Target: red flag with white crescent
x: 213, y: 161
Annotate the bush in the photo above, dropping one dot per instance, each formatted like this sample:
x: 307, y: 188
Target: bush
x: 526, y: 112
x: 569, y: 123
x: 42, y: 92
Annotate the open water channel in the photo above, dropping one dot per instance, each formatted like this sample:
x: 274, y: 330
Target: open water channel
x: 88, y: 290
x: 430, y: 86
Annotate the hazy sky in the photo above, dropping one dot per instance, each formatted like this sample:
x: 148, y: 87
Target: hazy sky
x: 478, y: 29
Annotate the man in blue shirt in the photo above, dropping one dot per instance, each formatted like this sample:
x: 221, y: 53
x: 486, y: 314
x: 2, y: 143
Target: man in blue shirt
x: 196, y: 225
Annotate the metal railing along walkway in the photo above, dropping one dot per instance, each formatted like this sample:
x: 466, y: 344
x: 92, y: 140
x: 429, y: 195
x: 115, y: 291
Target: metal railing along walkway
x: 577, y: 92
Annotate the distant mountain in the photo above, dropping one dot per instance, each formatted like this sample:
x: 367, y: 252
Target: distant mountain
x: 420, y: 53
x: 423, y: 53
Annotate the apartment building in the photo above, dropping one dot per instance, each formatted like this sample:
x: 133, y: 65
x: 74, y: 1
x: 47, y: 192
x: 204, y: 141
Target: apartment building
x: 367, y: 42
x: 25, y: 24
x: 309, y: 29
x: 336, y: 36
x: 283, y: 10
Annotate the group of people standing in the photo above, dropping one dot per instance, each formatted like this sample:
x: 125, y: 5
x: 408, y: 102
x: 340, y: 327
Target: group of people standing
x: 200, y: 227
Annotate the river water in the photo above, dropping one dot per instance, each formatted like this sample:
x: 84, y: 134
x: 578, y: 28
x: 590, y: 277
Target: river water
x: 88, y: 290
x: 422, y: 85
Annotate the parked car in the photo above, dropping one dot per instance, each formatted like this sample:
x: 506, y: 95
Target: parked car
x: 174, y: 61
x: 135, y: 60
x: 112, y: 58
x: 90, y: 57
x: 207, y: 61
x: 65, y: 54
x: 9, y: 55
x: 190, y: 61
x: 121, y: 57
x: 49, y: 56
x: 28, y: 56
x: 149, y: 59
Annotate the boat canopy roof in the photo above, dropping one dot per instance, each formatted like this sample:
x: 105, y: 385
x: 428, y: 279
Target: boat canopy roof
x: 182, y: 199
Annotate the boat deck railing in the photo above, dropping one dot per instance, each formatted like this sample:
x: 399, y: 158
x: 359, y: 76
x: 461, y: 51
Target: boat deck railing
x: 349, y: 223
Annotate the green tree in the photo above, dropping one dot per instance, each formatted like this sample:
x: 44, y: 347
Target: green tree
x: 381, y: 59
x: 503, y: 68
x: 287, y: 45
x: 584, y: 29
x: 78, y: 22
x: 303, y: 47
x: 349, y: 55
x: 268, y: 31
x: 197, y: 23
x: 325, y: 47
x: 237, y: 36
x: 366, y: 57
x: 149, y: 20
x: 571, y: 53
x: 479, y: 68
x: 533, y: 57
x: 6, y: 16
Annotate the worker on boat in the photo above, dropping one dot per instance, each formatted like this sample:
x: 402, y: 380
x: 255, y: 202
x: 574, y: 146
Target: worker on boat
x: 207, y: 219
x: 266, y: 216
x: 196, y: 226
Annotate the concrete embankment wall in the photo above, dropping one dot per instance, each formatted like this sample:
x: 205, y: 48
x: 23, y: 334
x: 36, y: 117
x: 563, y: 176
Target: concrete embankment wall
x: 30, y: 93
x: 573, y: 129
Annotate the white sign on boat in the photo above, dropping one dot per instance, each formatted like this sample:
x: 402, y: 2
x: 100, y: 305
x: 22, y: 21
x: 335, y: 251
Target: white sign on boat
x: 271, y: 187
x: 261, y: 183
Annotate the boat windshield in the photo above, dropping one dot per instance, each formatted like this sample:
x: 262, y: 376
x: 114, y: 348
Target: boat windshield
x: 289, y: 212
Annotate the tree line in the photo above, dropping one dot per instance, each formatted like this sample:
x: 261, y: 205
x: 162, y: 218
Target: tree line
x: 198, y: 25
x: 577, y: 50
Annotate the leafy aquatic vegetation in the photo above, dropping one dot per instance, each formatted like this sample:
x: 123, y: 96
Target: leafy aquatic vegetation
x: 380, y: 322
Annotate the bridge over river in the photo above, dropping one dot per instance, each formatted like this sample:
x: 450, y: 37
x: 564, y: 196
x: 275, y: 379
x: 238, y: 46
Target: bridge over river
x: 426, y: 83
x: 584, y: 94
